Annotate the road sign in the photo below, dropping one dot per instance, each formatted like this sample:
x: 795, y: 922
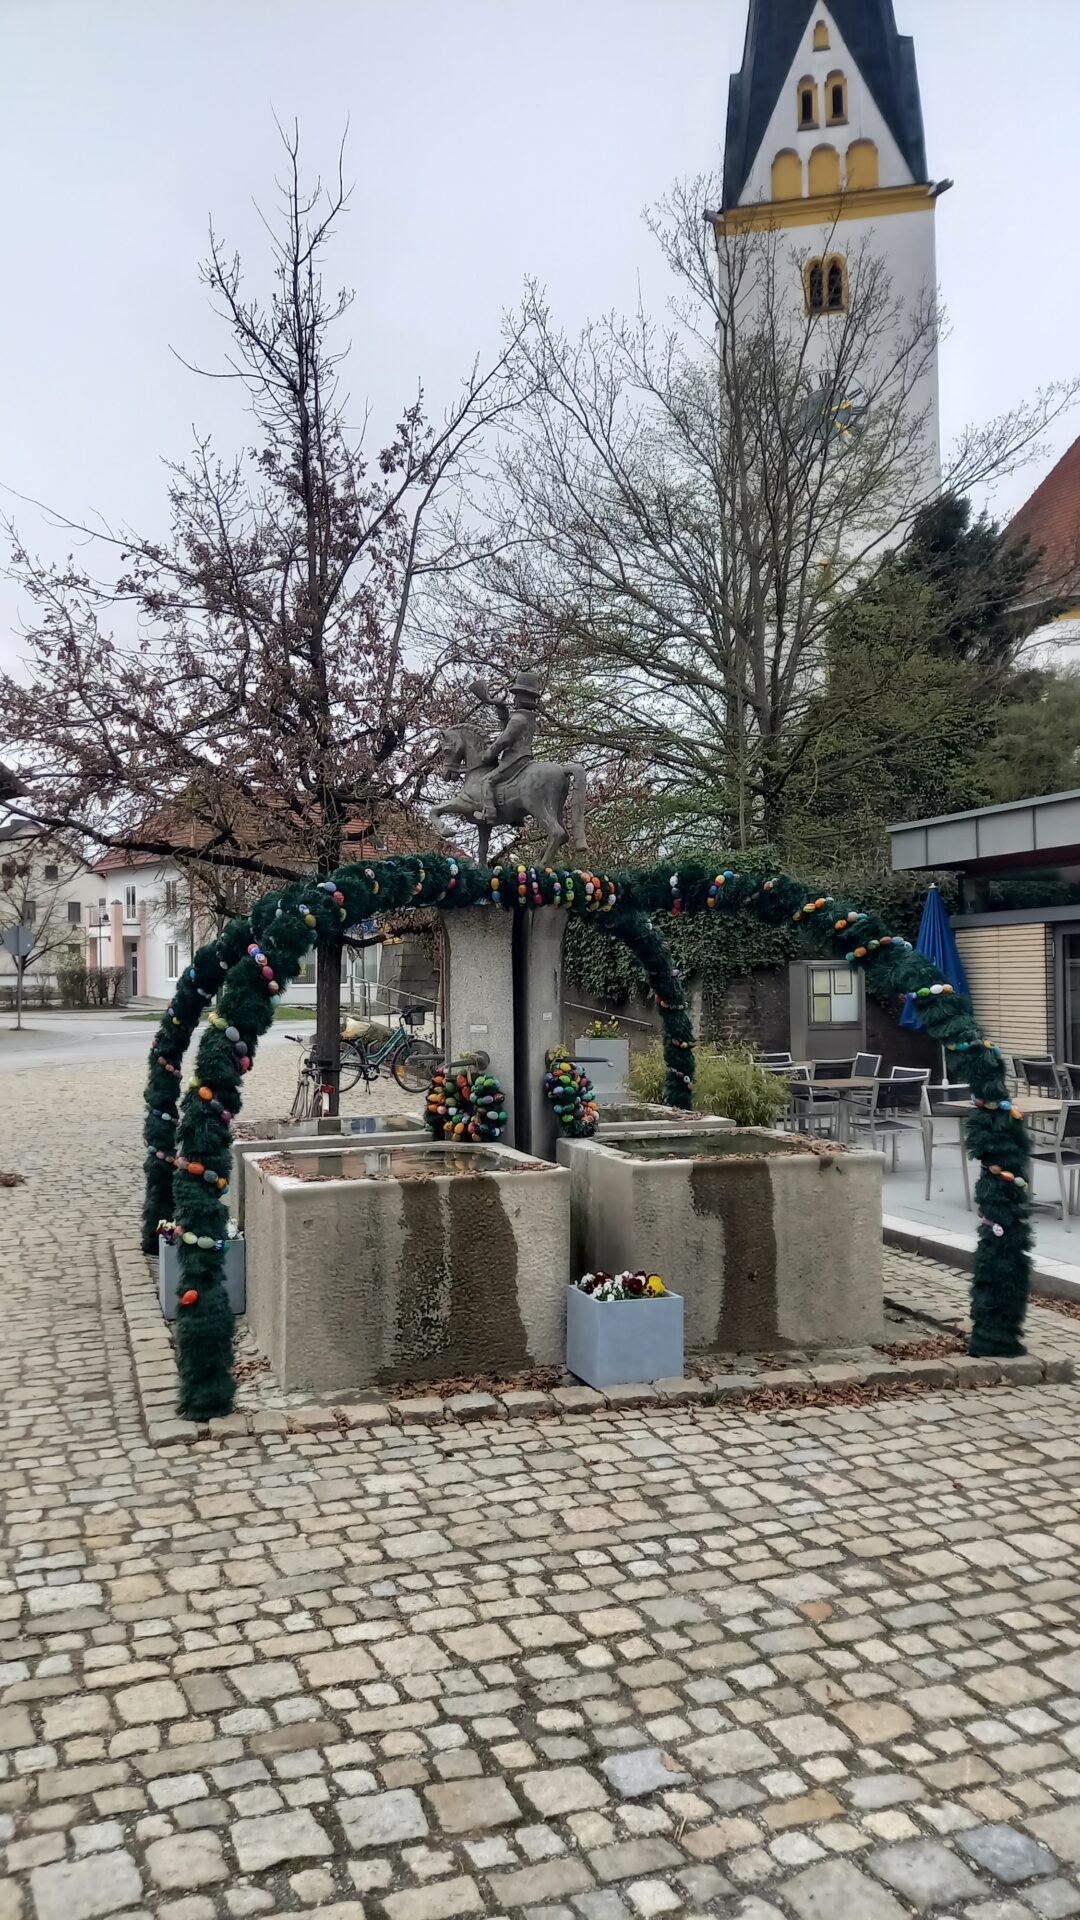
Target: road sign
x: 18, y: 940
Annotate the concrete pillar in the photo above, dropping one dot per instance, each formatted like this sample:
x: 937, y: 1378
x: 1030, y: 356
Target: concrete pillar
x: 539, y: 1024
x: 503, y: 996
x: 479, y: 990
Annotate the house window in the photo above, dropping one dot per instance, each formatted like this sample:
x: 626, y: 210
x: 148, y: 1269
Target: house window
x: 52, y: 872
x: 836, y: 99
x: 815, y: 286
x: 172, y: 960
x: 129, y: 903
x: 29, y: 912
x: 172, y: 895
x: 8, y: 870
x: 74, y: 912
x: 834, y: 996
x: 382, y: 843
x: 808, y: 102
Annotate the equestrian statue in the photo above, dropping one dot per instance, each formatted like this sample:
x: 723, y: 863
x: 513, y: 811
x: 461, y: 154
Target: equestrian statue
x: 502, y: 785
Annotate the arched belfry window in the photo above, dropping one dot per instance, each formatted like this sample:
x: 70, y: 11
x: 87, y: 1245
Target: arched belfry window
x: 787, y: 176
x: 863, y: 172
x: 826, y: 285
x: 807, y: 102
x: 821, y: 36
x: 836, y: 99
x: 824, y: 170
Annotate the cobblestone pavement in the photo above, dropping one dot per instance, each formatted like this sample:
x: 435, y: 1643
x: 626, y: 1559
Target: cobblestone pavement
x: 816, y: 1666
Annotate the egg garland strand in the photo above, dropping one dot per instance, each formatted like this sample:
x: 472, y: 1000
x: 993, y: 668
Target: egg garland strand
x: 569, y: 1093
x: 464, y: 1102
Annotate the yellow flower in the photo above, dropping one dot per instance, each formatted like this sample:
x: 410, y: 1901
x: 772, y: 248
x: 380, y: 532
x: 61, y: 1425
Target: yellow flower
x: 654, y: 1284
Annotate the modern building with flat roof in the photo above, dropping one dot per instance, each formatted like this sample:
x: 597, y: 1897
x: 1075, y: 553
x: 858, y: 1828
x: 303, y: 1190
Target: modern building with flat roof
x: 1017, y: 923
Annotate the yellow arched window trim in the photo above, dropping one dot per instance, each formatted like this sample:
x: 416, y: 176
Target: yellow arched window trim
x: 821, y: 37
x: 825, y: 284
x: 836, y: 100
x: 806, y: 102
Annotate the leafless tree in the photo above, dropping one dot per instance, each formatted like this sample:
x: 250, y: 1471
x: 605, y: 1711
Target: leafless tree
x: 685, y: 503
x: 35, y: 884
x: 288, y: 663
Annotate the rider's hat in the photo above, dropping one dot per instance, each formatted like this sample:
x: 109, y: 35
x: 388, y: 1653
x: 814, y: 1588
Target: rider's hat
x: 527, y: 684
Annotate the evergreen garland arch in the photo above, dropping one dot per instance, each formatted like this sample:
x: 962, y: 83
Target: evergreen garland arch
x: 187, y: 1123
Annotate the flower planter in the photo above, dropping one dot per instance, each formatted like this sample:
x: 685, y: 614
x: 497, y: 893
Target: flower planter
x: 607, y: 1063
x: 169, y: 1278
x: 390, y: 1262
x: 615, y: 1342
x: 375, y: 1129
x: 772, y: 1243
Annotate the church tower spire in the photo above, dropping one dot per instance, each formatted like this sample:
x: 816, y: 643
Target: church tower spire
x: 825, y: 143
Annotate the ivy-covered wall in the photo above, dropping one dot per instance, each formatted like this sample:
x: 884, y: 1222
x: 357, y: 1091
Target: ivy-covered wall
x: 736, y: 969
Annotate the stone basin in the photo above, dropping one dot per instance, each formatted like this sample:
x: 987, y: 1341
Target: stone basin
x: 772, y: 1241
x: 338, y: 1131
x: 375, y: 1263
x: 633, y: 1116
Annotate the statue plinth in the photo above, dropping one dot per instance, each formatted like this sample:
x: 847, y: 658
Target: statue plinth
x: 503, y: 997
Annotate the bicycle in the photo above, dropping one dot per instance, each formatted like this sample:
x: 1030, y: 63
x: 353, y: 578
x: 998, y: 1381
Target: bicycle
x: 411, y: 1062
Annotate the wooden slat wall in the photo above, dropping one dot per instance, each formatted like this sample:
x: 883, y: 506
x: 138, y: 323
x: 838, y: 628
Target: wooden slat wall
x: 1007, y: 973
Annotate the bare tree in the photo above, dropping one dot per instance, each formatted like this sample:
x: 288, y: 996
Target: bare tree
x: 687, y: 502
x: 35, y: 883
x: 289, y: 662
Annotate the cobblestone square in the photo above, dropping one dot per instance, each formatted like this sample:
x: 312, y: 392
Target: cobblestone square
x: 820, y: 1664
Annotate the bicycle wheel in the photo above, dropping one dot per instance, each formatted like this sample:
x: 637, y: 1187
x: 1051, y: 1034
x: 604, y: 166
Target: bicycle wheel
x: 413, y: 1064
x: 305, y: 1099
x: 354, y: 1064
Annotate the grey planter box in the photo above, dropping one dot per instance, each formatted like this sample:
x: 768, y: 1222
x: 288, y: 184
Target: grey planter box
x: 612, y: 1343
x: 378, y: 1129
x: 169, y: 1278
x: 607, y: 1063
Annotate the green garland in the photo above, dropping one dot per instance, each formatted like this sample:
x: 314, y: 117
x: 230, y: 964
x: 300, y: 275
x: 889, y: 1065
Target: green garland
x: 255, y: 959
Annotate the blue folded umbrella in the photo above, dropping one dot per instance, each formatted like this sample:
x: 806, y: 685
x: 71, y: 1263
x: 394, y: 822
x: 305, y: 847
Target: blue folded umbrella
x: 936, y: 943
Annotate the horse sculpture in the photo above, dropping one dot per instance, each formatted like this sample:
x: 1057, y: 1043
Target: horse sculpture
x: 537, y: 790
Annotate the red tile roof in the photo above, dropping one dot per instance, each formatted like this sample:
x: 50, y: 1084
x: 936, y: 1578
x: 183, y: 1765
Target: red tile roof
x: 1052, y: 518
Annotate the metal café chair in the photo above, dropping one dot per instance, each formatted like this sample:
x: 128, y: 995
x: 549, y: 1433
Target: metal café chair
x: 1038, y: 1072
x: 909, y: 1073
x: 1063, y: 1148
x: 856, y: 1106
x: 773, y: 1060
x: 932, y: 1099
x: 895, y: 1110
x: 810, y: 1112
x: 1069, y: 1075
x: 833, y: 1069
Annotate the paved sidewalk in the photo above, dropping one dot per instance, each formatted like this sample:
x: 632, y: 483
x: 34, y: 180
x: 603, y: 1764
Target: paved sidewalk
x: 816, y: 1666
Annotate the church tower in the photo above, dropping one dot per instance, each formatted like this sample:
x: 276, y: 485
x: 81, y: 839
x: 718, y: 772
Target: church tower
x: 825, y: 147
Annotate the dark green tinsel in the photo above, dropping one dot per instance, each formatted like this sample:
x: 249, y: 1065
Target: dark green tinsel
x: 622, y: 904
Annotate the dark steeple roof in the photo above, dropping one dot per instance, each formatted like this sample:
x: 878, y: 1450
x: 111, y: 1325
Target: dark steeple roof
x: 884, y: 57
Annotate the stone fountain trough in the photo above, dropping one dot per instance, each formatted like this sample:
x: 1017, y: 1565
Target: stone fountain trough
x: 624, y: 1117
x: 374, y: 1129
x: 391, y: 1261
x: 772, y: 1242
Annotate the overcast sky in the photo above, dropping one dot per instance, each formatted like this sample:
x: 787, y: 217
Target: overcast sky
x: 489, y: 139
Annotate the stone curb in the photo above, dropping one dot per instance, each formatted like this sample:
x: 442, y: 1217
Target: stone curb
x: 155, y: 1373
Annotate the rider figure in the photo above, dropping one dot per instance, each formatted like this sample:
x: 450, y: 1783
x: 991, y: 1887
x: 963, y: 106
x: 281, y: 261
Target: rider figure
x: 512, y: 749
